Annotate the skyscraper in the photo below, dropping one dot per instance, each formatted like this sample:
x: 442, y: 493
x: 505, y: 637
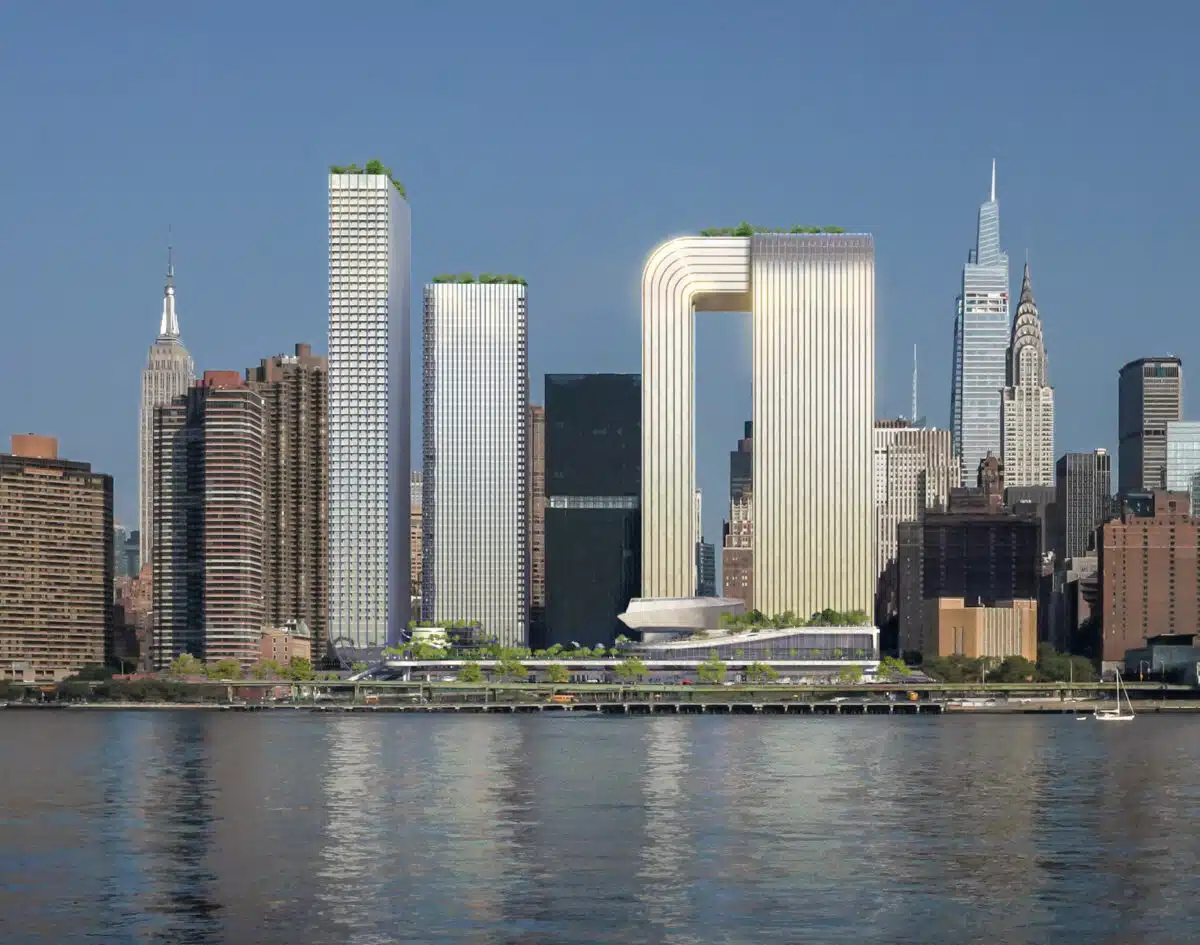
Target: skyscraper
x: 56, y: 562
x: 207, y: 566
x: 1183, y: 460
x: 369, y: 461
x: 593, y: 538
x: 416, y: 493
x: 474, y: 515
x: 295, y: 393
x: 1027, y: 405
x: 737, y: 545
x: 1150, y: 395
x: 914, y: 471
x: 981, y: 337
x: 168, y: 373
x: 1083, y: 488
x: 812, y: 305
x: 536, y: 504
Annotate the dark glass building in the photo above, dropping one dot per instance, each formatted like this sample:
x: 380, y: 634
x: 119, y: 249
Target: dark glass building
x: 593, y: 520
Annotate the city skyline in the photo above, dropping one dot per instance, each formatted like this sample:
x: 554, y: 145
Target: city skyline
x: 251, y: 256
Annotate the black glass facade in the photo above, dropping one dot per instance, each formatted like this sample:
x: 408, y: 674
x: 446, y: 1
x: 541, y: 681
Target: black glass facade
x: 593, y: 522
x: 593, y: 569
x: 593, y: 434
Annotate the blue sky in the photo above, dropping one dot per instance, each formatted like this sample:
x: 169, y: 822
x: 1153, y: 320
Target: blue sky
x: 562, y: 141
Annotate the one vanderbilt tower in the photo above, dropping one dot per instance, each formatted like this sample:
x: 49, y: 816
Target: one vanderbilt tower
x: 168, y: 374
x: 369, y: 317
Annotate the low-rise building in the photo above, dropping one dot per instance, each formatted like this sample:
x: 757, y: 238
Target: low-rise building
x: 952, y: 626
x: 283, y: 644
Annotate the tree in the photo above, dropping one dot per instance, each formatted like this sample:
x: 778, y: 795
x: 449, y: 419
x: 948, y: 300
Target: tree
x: 953, y: 669
x: 838, y: 654
x: 1014, y: 669
x: 299, y: 669
x: 712, y: 670
x: 631, y: 670
x: 93, y: 672
x: 512, y: 669
x: 359, y: 667
x: 185, y: 665
x: 471, y: 673
x: 850, y: 675
x: 225, y: 669
x: 761, y: 673
x: 557, y: 673
x: 891, y: 668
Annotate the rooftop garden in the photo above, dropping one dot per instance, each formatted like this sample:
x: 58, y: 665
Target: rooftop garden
x: 757, y: 620
x: 745, y: 229
x: 373, y: 167
x: 485, y: 278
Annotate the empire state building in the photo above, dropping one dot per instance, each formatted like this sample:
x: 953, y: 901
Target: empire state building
x: 169, y: 372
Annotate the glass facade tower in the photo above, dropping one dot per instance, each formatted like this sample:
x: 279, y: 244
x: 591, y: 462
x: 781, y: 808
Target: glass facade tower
x: 474, y: 510
x: 1183, y: 459
x: 593, y: 521
x: 369, y: 326
x: 981, y: 338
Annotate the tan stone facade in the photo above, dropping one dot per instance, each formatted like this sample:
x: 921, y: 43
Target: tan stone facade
x: 951, y: 627
x: 56, y: 562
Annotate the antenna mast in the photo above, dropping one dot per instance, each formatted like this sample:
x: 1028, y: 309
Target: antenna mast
x: 914, y: 389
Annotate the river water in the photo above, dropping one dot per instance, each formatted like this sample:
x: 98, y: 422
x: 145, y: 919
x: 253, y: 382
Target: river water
x: 193, y: 826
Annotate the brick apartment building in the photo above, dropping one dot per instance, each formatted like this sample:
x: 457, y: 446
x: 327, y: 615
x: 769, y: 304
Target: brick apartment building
x: 1149, y: 572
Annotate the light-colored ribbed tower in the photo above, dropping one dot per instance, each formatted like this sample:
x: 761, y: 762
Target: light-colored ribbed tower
x: 169, y: 372
x: 474, y: 510
x: 369, y: 324
x: 1027, y: 406
x: 812, y: 305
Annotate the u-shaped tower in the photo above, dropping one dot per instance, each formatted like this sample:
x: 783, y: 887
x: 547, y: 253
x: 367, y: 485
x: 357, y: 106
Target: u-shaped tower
x: 812, y: 304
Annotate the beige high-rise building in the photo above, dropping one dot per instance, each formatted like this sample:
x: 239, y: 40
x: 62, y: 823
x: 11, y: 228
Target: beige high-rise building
x: 415, y: 530
x: 56, y: 562
x: 295, y: 393
x: 536, y: 504
x: 207, y: 564
x: 812, y: 305
x: 914, y: 470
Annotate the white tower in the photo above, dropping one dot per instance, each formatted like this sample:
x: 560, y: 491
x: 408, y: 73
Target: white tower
x: 369, y: 319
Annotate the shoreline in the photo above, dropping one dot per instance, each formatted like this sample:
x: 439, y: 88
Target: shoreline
x: 639, y: 708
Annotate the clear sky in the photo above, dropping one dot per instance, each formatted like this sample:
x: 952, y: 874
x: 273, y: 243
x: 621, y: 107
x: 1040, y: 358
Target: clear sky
x: 563, y: 140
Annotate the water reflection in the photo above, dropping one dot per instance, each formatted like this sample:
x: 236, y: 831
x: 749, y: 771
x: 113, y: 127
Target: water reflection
x: 273, y: 828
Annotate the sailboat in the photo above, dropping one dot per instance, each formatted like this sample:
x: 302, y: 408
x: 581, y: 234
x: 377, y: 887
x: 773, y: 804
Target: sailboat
x: 1118, y: 714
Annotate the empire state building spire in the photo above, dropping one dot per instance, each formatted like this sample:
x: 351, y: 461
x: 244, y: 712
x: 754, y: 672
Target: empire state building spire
x: 169, y: 326
x: 168, y: 373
